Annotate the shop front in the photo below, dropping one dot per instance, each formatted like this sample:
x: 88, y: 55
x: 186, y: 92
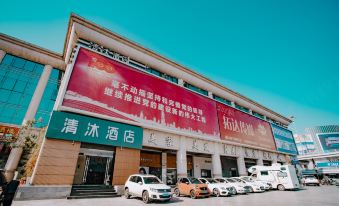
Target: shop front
x: 229, y: 166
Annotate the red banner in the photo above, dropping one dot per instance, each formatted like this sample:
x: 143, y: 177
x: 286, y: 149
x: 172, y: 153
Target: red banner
x: 103, y: 86
x: 243, y: 128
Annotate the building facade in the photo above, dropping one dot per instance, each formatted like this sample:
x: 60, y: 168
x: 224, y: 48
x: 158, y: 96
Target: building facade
x: 122, y: 109
x: 319, y: 150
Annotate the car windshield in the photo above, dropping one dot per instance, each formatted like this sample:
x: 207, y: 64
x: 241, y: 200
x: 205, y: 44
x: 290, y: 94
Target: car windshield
x: 151, y: 180
x: 194, y: 181
x: 211, y: 181
x: 231, y: 180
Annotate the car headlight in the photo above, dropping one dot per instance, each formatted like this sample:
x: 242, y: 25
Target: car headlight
x: 222, y: 188
x: 153, y: 190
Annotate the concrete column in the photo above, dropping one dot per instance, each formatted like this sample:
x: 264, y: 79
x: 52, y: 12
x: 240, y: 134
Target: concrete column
x: 260, y: 161
x: 181, y: 82
x: 39, y: 91
x: 250, y: 111
x: 241, y: 166
x: 210, y: 95
x: 164, y: 167
x: 2, y: 55
x: 216, y: 162
x: 182, y: 159
x: 265, y: 118
x: 274, y: 158
x: 288, y: 159
x: 233, y: 104
x: 15, y: 155
x: 310, y: 165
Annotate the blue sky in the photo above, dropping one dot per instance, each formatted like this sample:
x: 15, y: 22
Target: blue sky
x: 283, y: 54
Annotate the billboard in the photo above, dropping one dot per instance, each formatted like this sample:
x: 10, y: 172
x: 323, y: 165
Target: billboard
x: 8, y: 134
x: 284, y: 140
x: 104, y: 86
x: 74, y: 127
x: 240, y: 127
x: 329, y: 141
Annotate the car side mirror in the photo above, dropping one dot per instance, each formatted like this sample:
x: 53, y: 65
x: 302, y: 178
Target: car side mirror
x: 140, y: 183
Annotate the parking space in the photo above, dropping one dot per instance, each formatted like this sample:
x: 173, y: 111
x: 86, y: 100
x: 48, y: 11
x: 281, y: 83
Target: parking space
x: 310, y: 196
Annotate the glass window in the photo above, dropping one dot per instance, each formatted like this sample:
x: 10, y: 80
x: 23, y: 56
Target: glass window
x: 196, y: 89
x: 220, y: 99
x: 244, y: 109
x: 18, y: 80
x: 264, y: 173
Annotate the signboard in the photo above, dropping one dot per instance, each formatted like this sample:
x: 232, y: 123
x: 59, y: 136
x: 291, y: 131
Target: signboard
x: 80, y: 128
x: 284, y: 140
x: 243, y: 128
x: 327, y: 164
x: 104, y: 86
x: 329, y: 141
x: 8, y: 134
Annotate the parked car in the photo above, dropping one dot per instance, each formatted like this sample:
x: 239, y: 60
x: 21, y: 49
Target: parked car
x: 148, y: 187
x: 267, y: 185
x: 240, y: 188
x: 311, y: 180
x: 218, y: 189
x: 254, y: 186
x: 191, y: 187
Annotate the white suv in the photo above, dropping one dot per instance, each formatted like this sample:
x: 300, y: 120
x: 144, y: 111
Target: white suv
x: 148, y: 187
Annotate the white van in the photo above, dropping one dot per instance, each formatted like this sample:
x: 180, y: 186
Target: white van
x: 280, y: 176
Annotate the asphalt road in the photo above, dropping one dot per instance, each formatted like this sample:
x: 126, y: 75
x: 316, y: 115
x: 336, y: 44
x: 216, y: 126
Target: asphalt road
x: 310, y: 196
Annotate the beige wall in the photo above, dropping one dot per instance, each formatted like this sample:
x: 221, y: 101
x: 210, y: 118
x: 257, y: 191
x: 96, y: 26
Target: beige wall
x: 127, y: 162
x: 57, y: 162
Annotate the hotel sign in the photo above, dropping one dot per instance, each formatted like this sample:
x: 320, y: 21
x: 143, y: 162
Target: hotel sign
x: 81, y: 128
x: 237, y: 126
x: 103, y: 86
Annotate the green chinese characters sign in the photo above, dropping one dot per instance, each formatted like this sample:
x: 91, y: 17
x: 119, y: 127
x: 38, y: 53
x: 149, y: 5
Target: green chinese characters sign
x: 74, y: 127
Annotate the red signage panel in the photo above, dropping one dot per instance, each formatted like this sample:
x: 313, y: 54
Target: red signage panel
x: 101, y: 85
x: 8, y: 134
x: 243, y: 128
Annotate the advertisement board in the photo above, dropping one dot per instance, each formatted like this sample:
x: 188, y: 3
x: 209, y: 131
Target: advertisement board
x: 240, y: 127
x: 327, y: 164
x: 284, y: 140
x: 104, y: 86
x: 74, y: 127
x: 8, y: 134
x: 329, y: 141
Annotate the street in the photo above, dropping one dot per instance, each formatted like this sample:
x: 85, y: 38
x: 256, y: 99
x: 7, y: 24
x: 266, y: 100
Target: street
x: 310, y: 196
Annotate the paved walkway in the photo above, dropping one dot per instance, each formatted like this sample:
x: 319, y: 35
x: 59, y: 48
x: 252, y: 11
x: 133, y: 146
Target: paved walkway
x: 311, y: 196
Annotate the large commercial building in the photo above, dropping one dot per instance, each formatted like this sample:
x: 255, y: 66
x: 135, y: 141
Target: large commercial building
x: 122, y: 109
x: 319, y: 150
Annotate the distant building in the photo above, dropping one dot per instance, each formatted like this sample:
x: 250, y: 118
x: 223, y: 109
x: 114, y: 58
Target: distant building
x: 319, y: 150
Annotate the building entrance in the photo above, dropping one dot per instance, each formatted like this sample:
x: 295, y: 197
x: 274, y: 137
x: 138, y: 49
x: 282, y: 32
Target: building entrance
x: 94, y: 167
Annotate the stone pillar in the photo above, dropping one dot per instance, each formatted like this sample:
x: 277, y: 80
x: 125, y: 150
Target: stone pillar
x: 15, y: 155
x: 182, y: 159
x: 2, y: 55
x: 274, y: 158
x: 210, y: 95
x: 181, y: 82
x: 310, y: 165
x: 260, y: 161
x: 39, y: 91
x: 241, y: 166
x: 164, y: 167
x: 216, y: 162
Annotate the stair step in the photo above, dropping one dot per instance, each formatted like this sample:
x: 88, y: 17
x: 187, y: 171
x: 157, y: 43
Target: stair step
x: 91, y: 196
x: 93, y: 190
x: 92, y: 193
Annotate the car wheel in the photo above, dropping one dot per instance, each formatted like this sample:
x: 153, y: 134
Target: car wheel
x: 216, y: 192
x: 127, y: 195
x: 281, y: 187
x: 177, y: 192
x: 145, y: 197
x: 192, y: 194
